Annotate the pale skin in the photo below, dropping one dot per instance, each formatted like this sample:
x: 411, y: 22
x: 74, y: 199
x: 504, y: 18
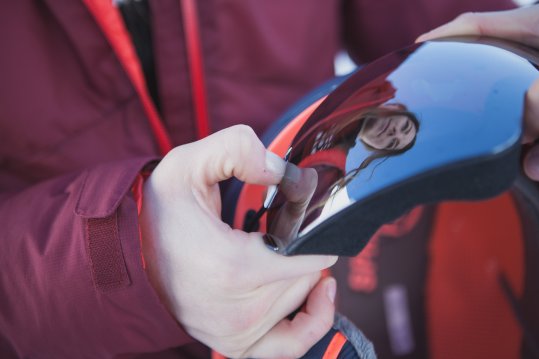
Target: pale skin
x: 388, y: 133
x: 520, y: 25
x: 224, y: 286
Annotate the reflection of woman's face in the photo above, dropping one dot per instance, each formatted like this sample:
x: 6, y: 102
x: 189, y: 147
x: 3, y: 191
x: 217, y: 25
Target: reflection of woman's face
x: 388, y: 133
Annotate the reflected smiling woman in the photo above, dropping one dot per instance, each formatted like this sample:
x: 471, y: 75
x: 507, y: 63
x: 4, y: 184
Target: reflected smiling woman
x: 390, y: 131
x: 385, y: 130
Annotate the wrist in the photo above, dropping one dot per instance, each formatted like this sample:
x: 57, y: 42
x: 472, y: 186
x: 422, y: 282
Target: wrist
x: 151, y: 250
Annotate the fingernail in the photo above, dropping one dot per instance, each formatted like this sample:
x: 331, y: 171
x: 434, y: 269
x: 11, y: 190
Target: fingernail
x: 331, y: 289
x: 275, y: 164
x: 292, y: 173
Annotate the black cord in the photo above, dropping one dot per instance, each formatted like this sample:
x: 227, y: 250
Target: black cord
x: 251, y: 222
x: 137, y: 19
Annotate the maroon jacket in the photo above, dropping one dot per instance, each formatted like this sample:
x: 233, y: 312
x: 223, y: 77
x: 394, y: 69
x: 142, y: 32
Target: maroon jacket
x: 74, y: 134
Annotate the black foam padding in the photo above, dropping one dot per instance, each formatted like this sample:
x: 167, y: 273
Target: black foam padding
x: 526, y: 196
x: 474, y: 179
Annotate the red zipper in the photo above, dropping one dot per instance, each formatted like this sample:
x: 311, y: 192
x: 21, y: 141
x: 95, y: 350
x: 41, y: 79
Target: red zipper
x: 109, y: 20
x: 196, y: 66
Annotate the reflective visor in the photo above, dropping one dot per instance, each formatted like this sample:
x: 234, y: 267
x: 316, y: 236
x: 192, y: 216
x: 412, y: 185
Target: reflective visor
x: 435, y: 121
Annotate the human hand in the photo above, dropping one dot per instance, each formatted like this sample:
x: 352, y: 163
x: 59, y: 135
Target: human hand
x: 520, y: 25
x: 224, y: 286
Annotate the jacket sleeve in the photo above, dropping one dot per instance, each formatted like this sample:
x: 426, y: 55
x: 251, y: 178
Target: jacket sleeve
x: 71, y: 280
x: 374, y: 28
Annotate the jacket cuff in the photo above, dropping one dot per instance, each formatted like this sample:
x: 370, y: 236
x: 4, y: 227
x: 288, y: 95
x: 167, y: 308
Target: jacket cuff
x: 113, y: 245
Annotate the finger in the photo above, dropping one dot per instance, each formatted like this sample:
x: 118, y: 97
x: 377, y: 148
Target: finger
x: 232, y: 152
x: 298, y: 188
x: 298, y: 184
x: 293, y: 338
x: 517, y: 25
x: 274, y: 302
x: 531, y: 163
x: 531, y: 115
x: 268, y: 266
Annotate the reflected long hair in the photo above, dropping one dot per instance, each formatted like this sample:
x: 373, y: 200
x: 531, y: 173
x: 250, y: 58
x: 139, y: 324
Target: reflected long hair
x: 350, y: 125
x: 376, y: 113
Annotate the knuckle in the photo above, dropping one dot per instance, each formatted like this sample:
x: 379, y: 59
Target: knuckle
x: 241, y: 134
x: 232, y: 276
x: 247, y: 321
x: 238, y: 141
x: 245, y: 137
x: 228, y: 277
x: 467, y: 17
x: 471, y: 20
x: 243, y: 130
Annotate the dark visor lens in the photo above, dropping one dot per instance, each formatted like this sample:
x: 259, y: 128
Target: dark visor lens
x: 427, y: 107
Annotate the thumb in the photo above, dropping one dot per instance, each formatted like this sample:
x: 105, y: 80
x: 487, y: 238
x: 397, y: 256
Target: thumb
x: 232, y: 152
x: 293, y: 338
